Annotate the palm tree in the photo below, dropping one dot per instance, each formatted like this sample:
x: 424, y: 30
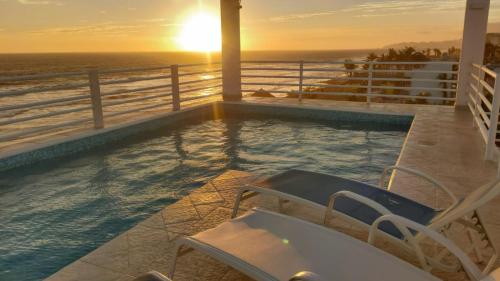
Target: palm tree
x: 437, y: 52
x: 349, y: 66
x: 371, y: 57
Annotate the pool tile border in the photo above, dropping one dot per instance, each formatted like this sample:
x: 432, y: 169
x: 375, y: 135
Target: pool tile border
x: 85, y: 141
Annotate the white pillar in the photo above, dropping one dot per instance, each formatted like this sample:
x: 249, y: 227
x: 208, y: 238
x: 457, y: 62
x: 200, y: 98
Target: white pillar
x: 231, y: 49
x: 473, y: 42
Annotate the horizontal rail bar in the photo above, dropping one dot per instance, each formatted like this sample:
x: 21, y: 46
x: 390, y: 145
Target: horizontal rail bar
x: 136, y: 109
x: 200, y: 89
x: 270, y: 68
x: 200, y: 97
x: 132, y: 69
x: 43, y: 128
x: 381, y: 95
x: 348, y: 86
x: 199, y: 64
x: 273, y: 76
x: 268, y: 91
x: 475, y: 77
x: 108, y: 104
x: 414, y: 88
x: 270, y: 61
x: 42, y: 89
x: 485, y: 69
x: 352, y: 94
x: 380, y: 71
x: 481, y: 96
x: 340, y: 78
x: 200, y: 72
x: 127, y: 91
x: 41, y: 76
x: 199, y: 81
x: 336, y: 78
x: 54, y: 101
x: 357, y: 62
x: 388, y: 79
x: 137, y: 79
x: 50, y: 114
x: 415, y: 80
x: 487, y: 87
x: 489, y: 72
x: 478, y: 66
x: 485, y: 117
x: 270, y: 84
x: 482, y: 127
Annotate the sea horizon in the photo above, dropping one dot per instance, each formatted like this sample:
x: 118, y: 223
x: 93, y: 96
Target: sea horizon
x: 39, y: 63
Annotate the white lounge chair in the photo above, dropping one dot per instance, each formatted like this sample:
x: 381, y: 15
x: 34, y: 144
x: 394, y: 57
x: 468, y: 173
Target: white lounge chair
x: 268, y: 246
x: 152, y: 276
x: 362, y: 204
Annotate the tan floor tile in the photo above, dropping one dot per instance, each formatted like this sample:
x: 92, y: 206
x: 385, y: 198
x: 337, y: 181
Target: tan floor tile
x: 81, y: 271
x: 200, y: 198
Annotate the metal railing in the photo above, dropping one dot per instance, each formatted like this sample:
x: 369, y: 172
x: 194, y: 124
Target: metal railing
x: 431, y: 82
x: 484, y: 103
x: 93, y: 96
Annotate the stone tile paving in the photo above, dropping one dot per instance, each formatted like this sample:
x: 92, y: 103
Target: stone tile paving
x: 441, y: 143
x: 150, y: 244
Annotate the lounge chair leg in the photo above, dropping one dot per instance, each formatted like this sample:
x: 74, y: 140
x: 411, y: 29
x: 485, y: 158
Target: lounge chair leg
x: 237, y: 203
x: 174, y: 261
x: 475, y: 246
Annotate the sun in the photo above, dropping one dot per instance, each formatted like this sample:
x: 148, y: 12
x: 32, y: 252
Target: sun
x: 200, y: 33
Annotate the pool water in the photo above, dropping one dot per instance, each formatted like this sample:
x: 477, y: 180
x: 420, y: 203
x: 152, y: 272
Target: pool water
x: 55, y: 212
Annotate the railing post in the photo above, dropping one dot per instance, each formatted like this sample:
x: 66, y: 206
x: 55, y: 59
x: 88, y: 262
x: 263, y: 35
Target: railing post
x: 477, y: 98
x: 369, y: 89
x: 301, y: 80
x: 95, y: 95
x: 174, y: 76
x: 491, y: 146
x: 231, y: 50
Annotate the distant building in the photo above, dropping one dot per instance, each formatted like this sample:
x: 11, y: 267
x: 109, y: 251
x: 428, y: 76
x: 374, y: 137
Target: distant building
x: 492, y: 50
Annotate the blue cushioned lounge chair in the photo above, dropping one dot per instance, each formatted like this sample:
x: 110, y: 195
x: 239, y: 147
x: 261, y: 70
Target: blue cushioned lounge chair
x: 363, y: 204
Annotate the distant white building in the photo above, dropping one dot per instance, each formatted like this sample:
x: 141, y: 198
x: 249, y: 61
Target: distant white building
x: 493, y: 38
x: 492, y: 56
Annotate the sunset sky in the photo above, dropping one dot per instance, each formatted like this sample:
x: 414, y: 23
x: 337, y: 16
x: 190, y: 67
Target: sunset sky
x: 157, y: 25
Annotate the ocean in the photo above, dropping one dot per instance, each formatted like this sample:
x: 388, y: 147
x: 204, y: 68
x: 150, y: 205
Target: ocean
x: 24, y: 64
x: 12, y: 65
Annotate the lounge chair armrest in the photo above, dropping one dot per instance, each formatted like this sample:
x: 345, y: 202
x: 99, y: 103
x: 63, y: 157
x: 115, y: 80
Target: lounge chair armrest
x: 404, y: 224
x: 152, y: 276
x: 306, y: 276
x: 356, y: 197
x: 422, y: 175
x: 267, y: 191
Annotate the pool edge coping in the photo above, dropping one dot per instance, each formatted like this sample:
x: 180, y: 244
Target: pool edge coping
x: 96, y: 133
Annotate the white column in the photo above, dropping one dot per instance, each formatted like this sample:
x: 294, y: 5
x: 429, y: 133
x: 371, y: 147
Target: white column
x: 474, y: 40
x: 231, y: 49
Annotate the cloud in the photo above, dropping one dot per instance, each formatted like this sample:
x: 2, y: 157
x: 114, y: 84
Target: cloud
x: 401, y: 7
x: 40, y: 2
x: 293, y: 17
x: 107, y: 28
x: 382, y: 8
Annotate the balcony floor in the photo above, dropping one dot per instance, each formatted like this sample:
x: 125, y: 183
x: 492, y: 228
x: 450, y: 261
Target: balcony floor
x: 441, y: 142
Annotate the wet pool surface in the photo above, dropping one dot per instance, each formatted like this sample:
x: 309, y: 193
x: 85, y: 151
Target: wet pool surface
x: 53, y: 213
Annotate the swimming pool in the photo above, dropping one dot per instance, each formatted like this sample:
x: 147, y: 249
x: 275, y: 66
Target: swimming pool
x: 56, y: 211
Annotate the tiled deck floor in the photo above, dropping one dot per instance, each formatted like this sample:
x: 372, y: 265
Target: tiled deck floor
x: 441, y: 142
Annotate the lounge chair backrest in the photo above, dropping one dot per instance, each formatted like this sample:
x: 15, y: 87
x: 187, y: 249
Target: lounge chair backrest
x: 494, y: 276
x: 476, y: 199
